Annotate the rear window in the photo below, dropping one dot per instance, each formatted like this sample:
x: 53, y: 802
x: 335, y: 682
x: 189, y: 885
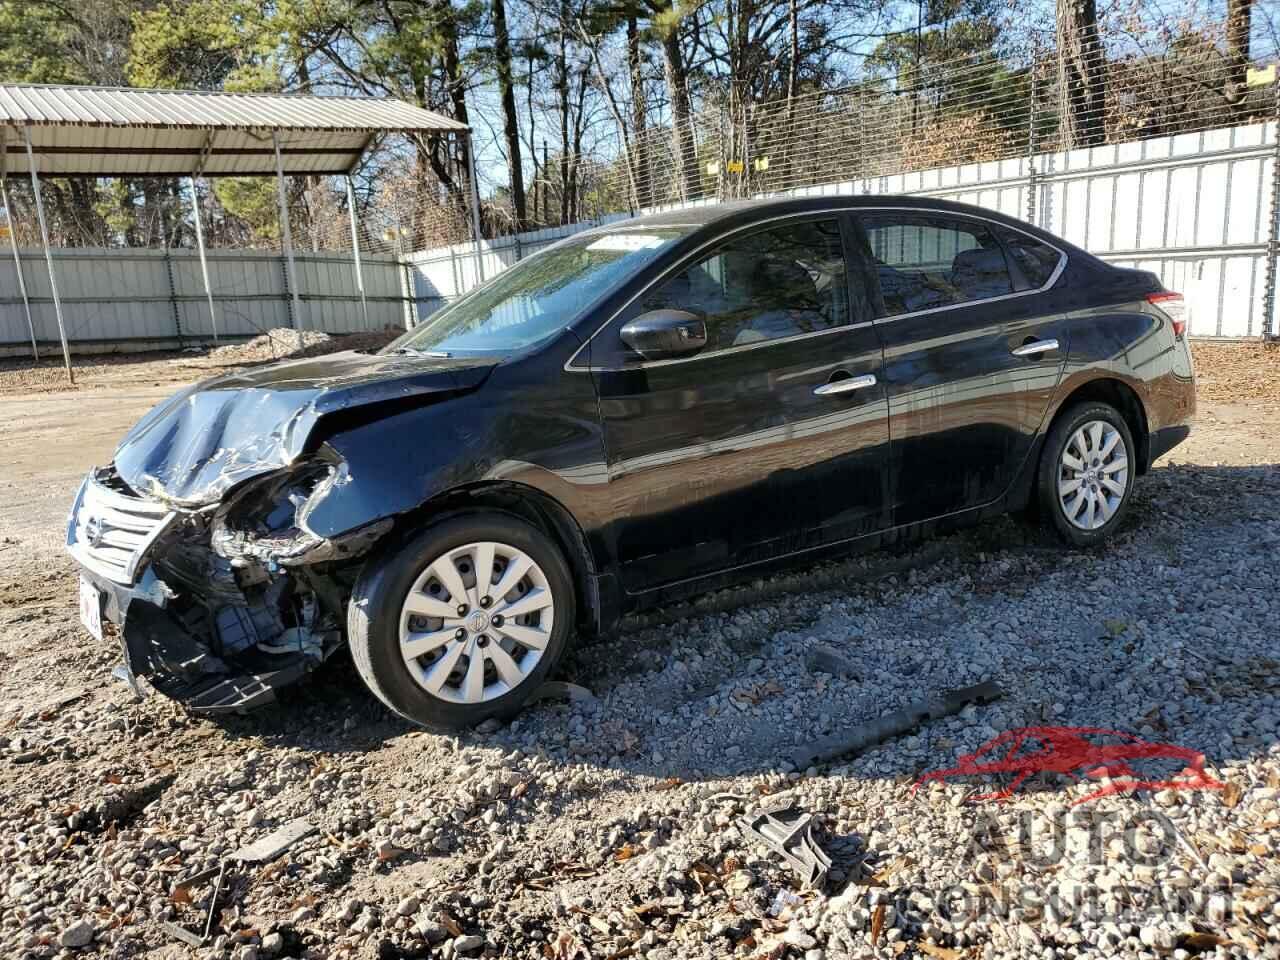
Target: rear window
x: 1036, y: 259
x: 925, y: 261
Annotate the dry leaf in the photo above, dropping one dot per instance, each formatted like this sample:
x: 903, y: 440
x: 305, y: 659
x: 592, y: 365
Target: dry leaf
x: 877, y: 924
x: 389, y: 853
x: 1195, y: 940
x: 564, y: 947
x: 626, y: 852
x: 113, y: 778
x: 450, y: 924
x: 668, y: 784
x: 942, y: 953
x: 1273, y: 779
x: 1231, y: 794
x: 702, y: 875
x: 181, y: 895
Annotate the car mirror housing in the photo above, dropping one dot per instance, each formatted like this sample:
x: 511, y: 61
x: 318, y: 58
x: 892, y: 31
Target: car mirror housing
x: 660, y: 334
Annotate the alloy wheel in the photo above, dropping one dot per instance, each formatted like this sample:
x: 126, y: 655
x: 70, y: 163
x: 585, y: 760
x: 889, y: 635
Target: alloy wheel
x: 1093, y: 475
x: 476, y: 622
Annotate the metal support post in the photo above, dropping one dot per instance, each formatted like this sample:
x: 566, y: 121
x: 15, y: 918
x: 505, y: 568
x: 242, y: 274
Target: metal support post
x: 48, y: 256
x: 286, y: 237
x: 13, y: 240
x: 204, y: 264
x: 355, y: 250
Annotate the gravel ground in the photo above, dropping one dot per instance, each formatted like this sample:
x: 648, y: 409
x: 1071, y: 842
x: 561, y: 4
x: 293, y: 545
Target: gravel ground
x: 605, y: 827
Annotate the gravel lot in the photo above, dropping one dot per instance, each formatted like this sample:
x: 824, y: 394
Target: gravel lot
x: 604, y: 827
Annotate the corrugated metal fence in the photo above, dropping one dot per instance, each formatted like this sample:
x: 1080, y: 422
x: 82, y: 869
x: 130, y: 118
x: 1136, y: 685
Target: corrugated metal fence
x: 1193, y: 208
x: 128, y: 299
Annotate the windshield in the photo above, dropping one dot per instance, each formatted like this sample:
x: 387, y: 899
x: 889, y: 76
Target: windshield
x: 538, y: 296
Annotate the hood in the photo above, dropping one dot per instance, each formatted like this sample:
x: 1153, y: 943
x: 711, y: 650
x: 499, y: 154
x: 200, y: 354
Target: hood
x: 191, y: 449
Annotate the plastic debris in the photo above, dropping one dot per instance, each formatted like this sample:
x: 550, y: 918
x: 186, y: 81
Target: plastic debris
x: 788, y: 831
x: 858, y: 738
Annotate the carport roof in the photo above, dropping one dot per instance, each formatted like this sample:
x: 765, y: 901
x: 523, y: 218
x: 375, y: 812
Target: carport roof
x: 123, y: 131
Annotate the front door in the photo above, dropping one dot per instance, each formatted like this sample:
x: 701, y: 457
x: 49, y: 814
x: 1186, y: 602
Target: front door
x: 771, y: 439
x: 973, y: 353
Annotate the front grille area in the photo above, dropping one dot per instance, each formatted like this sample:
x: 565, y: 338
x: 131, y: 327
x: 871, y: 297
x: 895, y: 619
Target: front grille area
x: 109, y: 531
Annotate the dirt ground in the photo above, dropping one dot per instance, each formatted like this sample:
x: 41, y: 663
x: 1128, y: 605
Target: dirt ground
x: 72, y: 734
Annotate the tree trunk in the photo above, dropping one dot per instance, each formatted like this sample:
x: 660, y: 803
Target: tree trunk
x: 793, y: 22
x: 686, y: 154
x: 635, y: 62
x: 511, y: 124
x: 1081, y: 75
x: 1239, y: 24
x: 562, y: 81
x: 458, y: 100
x: 539, y: 216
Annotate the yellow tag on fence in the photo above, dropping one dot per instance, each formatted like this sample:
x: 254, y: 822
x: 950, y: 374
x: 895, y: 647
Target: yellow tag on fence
x: 734, y: 166
x: 1260, y: 78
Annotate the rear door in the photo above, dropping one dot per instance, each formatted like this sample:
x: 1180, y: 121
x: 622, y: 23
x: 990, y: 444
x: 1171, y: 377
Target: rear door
x: 973, y: 354
x: 751, y: 449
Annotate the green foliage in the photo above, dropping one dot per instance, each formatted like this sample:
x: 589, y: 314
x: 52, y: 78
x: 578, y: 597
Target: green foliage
x: 253, y: 200
x: 204, y: 44
x: 35, y: 39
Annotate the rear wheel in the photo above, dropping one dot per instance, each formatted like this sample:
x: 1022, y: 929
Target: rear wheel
x: 1086, y: 473
x: 464, y: 621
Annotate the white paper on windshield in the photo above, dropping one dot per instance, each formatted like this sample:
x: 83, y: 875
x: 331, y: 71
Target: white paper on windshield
x: 625, y: 242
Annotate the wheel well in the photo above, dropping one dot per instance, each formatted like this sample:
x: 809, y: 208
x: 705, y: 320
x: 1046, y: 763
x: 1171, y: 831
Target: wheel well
x: 540, y: 511
x: 1121, y: 396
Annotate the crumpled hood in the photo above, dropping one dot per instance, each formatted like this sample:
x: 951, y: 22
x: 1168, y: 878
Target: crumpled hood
x: 191, y: 449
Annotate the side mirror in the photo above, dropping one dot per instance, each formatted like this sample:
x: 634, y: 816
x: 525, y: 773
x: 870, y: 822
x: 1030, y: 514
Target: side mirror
x: 661, y: 334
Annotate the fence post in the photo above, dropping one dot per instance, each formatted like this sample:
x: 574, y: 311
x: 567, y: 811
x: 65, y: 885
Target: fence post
x: 1273, y: 224
x: 1032, y: 185
x: 173, y: 293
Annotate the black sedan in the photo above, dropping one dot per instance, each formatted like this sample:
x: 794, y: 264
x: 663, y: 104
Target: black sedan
x: 643, y: 411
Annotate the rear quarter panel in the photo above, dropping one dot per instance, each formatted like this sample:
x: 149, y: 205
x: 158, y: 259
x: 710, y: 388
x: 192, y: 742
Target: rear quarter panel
x: 1130, y: 341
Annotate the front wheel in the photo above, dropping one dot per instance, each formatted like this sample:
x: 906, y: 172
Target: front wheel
x: 463, y: 622
x: 1086, y: 473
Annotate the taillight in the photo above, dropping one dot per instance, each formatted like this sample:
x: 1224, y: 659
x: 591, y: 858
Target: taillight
x: 1172, y: 306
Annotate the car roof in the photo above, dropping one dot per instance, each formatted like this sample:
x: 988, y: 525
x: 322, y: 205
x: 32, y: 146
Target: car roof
x: 743, y: 212
x: 706, y: 213
x: 704, y: 216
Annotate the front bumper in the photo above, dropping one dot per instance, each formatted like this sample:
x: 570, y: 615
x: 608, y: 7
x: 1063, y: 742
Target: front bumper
x: 179, y: 663
x: 185, y: 622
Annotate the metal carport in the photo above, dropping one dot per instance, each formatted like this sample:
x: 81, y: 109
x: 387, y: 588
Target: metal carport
x: 74, y: 131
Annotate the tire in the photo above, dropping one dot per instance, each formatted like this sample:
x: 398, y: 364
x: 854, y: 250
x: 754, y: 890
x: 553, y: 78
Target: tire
x: 386, y: 626
x: 1077, y: 430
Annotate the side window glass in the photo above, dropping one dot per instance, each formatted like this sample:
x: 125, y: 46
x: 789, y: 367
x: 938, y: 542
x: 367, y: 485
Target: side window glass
x: 1036, y: 260
x: 929, y: 261
x: 764, y: 286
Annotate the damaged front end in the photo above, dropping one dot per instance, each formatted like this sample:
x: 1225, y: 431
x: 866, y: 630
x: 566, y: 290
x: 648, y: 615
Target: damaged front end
x: 218, y: 607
